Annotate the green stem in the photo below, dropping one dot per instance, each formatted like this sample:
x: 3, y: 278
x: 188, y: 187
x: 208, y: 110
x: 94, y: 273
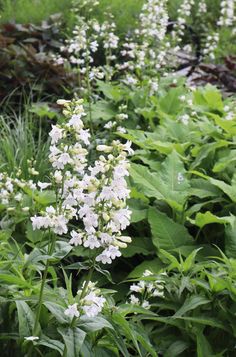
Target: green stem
x: 87, y: 281
x: 40, y: 301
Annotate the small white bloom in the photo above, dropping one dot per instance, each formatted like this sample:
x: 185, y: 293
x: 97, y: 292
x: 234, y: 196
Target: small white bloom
x: 72, y: 311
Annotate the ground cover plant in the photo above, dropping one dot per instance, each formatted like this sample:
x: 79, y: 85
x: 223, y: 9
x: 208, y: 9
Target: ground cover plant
x: 118, y: 182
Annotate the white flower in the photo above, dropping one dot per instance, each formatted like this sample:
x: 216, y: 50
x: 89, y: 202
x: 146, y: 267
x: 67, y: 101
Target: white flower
x: 56, y: 134
x: 146, y: 304
x: 43, y: 185
x: 84, y: 136
x: 134, y: 300
x: 72, y: 311
x: 31, y: 338
x: 76, y: 238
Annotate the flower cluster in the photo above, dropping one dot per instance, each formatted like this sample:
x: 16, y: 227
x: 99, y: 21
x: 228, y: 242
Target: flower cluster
x: 94, y: 195
x: 227, y: 15
x: 147, y: 51
x: 147, y: 289
x: 184, y: 13
x: 90, y: 305
x: 210, y: 45
x: 88, y: 36
x: 12, y: 192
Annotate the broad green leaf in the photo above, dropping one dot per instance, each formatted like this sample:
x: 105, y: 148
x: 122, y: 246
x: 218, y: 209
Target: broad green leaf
x: 167, y: 234
x: 226, y: 161
x: 33, y: 235
x: 146, y: 180
x: 139, y: 245
x: 110, y: 91
x: 14, y: 280
x: 61, y: 249
x: 176, y: 348
x: 52, y: 344
x: 58, y: 311
x: 230, y: 239
x: 203, y: 347
x: 202, y: 219
x: 202, y: 188
x: 102, y: 110
x: 229, y: 190
x: 203, y: 152
x: 169, y: 184
x: 190, y: 260
x: 171, y: 104
x: 127, y: 330
x: 26, y: 318
x: 191, y: 303
x: 213, y: 97
x: 97, y: 323
x: 74, y: 339
x: 154, y: 266
x: 206, y: 321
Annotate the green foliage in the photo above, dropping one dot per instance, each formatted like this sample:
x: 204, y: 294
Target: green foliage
x: 25, y: 11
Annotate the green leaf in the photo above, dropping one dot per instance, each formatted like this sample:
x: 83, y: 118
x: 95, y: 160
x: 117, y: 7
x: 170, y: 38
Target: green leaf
x: 190, y: 260
x: 171, y: 104
x: 146, y: 180
x: 26, y: 318
x: 61, y: 249
x: 203, y: 347
x: 176, y: 348
x: 89, y: 324
x: 229, y: 190
x: 110, y: 91
x: 167, y: 234
x: 58, y: 311
x: 102, y: 110
x: 205, y: 321
x: 74, y: 339
x: 52, y: 344
x: 126, y: 328
x: 154, y: 266
x: 33, y: 235
x: 191, y: 303
x: 139, y: 245
x: 230, y: 239
x: 169, y: 184
x: 202, y: 219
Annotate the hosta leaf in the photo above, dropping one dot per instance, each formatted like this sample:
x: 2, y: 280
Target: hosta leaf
x: 167, y: 234
x: 74, y: 339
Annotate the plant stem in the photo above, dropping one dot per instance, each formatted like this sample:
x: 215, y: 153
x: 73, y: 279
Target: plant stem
x: 40, y: 301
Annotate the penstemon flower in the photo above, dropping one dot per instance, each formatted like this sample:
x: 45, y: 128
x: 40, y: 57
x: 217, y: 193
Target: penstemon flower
x: 92, y: 195
x: 89, y: 305
x: 144, y: 291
